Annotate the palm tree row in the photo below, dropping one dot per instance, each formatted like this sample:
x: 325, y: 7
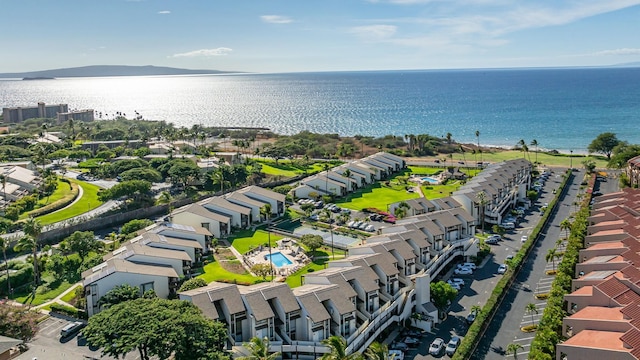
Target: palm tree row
x: 259, y: 349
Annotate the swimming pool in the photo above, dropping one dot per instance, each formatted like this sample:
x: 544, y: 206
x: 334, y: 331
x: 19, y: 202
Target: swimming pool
x: 430, y: 180
x: 278, y: 259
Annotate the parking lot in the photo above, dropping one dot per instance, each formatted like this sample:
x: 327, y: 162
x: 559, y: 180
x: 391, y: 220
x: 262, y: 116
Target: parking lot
x: 47, y: 345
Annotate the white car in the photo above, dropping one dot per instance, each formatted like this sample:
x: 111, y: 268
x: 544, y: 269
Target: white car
x: 457, y: 281
x: 469, y: 265
x: 436, y: 346
x: 396, y: 355
x: 502, y: 269
x: 463, y: 271
x: 454, y: 285
x: 524, y: 238
x: 452, y: 346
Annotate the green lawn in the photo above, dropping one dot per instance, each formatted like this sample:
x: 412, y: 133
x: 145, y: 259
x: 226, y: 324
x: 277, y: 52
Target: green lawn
x: 213, y: 271
x: 245, y: 240
x: 42, y: 298
x: 543, y: 158
x: 61, y: 191
x: 295, y: 279
x: 89, y: 201
x: 70, y: 295
x: 278, y: 171
x: 440, y: 191
x: 377, y: 195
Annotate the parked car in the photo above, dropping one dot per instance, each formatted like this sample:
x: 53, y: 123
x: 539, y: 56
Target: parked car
x: 471, y: 317
x: 412, y: 342
x: 492, y: 241
x: 469, y: 265
x: 436, y: 347
x: 454, y: 285
x: 524, y: 238
x: 457, y: 281
x: 502, y: 269
x: 396, y: 355
x: 71, y: 329
x: 370, y: 228
x: 399, y: 346
x: 452, y: 346
x: 463, y: 271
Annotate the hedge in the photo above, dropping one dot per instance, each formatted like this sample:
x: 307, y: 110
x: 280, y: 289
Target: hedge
x: 483, y: 319
x: 68, y: 310
x: 65, y: 201
x: 18, y: 278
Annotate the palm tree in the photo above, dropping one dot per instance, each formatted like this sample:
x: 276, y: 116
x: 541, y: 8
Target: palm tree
x: 482, y: 202
x: 338, y: 346
x: 449, y: 137
x: 378, y: 351
x: 266, y: 212
x: 259, y: 349
x: 29, y: 243
x: 4, y: 243
x: 476, y: 309
x: 566, y: 226
x: 464, y: 159
x: 531, y: 308
x: 552, y: 255
x: 402, y: 209
x: 534, y: 142
x: 478, y: 137
x: 4, y: 185
x: 32, y: 228
x: 513, y: 349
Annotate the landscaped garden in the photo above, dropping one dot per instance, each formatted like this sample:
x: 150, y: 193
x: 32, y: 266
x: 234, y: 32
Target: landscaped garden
x: 89, y: 201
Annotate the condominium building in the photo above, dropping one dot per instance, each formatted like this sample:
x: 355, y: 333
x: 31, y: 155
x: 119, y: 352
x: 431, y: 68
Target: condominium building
x: 19, y: 114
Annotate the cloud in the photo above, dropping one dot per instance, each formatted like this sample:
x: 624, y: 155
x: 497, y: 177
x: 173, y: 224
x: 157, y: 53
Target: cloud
x: 374, y: 32
x: 622, y: 51
x: 276, y: 19
x: 164, y: 12
x: 221, y: 51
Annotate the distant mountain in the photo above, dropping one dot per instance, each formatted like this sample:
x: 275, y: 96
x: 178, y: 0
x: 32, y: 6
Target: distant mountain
x: 110, y: 70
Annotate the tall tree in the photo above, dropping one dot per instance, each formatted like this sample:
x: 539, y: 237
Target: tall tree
x: 532, y: 309
x: 566, y: 226
x: 156, y: 328
x: 552, y: 255
x: 338, y: 346
x: 482, y: 202
x: 534, y: 142
x: 441, y: 294
x: 4, y: 243
x: 32, y: 228
x: 82, y: 242
x: 478, y: 137
x: 604, y: 144
x: 513, y: 348
x: 259, y: 349
x: 377, y: 351
x: 266, y: 212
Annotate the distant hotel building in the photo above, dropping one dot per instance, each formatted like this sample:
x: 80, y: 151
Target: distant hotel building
x: 60, y: 112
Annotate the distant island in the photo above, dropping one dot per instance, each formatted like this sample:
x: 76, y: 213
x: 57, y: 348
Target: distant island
x: 110, y: 70
x: 38, y: 78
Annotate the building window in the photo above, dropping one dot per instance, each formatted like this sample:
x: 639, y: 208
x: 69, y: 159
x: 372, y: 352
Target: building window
x: 146, y: 287
x: 205, y: 225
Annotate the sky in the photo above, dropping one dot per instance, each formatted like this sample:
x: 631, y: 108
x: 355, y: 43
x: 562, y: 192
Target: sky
x: 310, y: 35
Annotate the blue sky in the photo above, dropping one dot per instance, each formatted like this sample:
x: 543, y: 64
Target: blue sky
x: 311, y: 35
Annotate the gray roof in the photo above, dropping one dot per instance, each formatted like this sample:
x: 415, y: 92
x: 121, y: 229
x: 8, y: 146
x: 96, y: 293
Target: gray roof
x: 384, y: 261
x: 118, y: 265
x: 202, y: 211
x: 7, y: 343
x: 236, y: 197
x: 306, y: 295
x: 400, y: 246
x: 341, y: 277
x: 205, y: 297
x: 258, y: 296
x: 137, y: 249
x: 264, y: 192
x: 226, y: 204
x: 148, y: 238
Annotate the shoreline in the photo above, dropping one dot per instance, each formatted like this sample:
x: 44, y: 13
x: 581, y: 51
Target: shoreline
x: 576, y: 153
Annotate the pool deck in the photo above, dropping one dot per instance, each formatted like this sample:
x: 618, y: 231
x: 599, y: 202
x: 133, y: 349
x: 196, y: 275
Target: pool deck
x: 259, y: 256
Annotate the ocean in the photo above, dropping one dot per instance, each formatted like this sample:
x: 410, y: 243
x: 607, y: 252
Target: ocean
x: 563, y: 109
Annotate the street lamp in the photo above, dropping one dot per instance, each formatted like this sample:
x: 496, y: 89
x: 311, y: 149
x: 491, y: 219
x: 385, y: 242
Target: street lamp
x: 571, y: 160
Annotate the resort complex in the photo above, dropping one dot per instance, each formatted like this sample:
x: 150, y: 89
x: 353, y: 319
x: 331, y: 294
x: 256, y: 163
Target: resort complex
x: 383, y: 279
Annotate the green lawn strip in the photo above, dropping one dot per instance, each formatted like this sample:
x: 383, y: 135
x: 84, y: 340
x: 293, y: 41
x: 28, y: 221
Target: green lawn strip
x: 61, y: 191
x: 245, y: 240
x: 543, y: 158
x: 271, y: 170
x: 213, y: 271
x: 440, y: 191
x: 42, y: 298
x: 424, y: 170
x: 71, y: 295
x: 377, y: 195
x: 89, y: 201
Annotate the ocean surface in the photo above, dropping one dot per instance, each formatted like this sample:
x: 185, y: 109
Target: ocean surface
x: 562, y: 109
